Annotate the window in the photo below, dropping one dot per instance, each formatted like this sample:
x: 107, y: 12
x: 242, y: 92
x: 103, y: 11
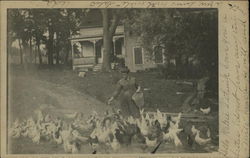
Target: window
x: 118, y: 46
x: 138, y: 55
x: 158, y: 51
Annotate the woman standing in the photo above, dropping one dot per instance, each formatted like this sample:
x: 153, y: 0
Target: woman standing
x: 126, y: 88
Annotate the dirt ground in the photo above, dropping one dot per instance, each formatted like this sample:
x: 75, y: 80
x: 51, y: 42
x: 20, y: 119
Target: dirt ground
x: 60, y: 92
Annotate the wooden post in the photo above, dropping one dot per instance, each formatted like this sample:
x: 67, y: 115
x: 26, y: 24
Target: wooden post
x: 72, y: 52
x: 95, y: 51
x: 114, y: 46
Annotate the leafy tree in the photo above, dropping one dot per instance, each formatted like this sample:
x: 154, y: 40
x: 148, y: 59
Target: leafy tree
x: 16, y: 30
x: 182, y: 32
x: 52, y: 27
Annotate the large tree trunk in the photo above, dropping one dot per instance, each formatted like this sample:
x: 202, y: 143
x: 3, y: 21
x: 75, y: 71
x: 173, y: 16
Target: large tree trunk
x: 21, y: 51
x: 68, y: 46
x: 57, y: 48
x: 109, y: 27
x: 106, y: 41
x: 50, y: 45
x: 39, y: 54
x: 31, y: 49
x: 25, y: 54
x: 38, y: 49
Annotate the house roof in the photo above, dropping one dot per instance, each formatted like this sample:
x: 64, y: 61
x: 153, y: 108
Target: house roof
x: 93, y: 37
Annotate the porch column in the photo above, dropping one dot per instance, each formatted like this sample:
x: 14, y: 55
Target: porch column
x: 72, y: 53
x: 94, y: 42
x: 114, y: 45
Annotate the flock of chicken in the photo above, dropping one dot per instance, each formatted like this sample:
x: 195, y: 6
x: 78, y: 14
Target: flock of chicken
x: 112, y: 130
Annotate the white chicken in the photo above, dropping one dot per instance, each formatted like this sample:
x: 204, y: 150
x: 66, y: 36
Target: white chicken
x: 74, y: 149
x: 205, y: 110
x: 36, y: 135
x: 147, y: 117
x: 71, y: 115
x: 77, y: 136
x: 177, y: 141
x: 200, y: 140
x: 172, y: 134
x: 69, y: 141
x: 194, y: 130
x: 161, y: 118
x: 177, y: 118
x: 141, y: 113
x: 151, y: 143
x: 16, y: 129
x: 115, y: 145
x: 39, y: 115
x: 131, y: 120
x: 70, y: 147
x: 208, y: 133
x: 144, y: 127
x: 48, y: 118
x: 101, y: 133
x: 58, y: 140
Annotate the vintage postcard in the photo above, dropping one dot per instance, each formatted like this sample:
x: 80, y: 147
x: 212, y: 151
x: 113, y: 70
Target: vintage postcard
x: 124, y: 79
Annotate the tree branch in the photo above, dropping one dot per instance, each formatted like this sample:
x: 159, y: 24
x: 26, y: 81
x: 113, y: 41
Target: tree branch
x: 114, y: 24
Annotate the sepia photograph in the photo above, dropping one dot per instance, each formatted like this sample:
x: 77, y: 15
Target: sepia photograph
x: 112, y: 81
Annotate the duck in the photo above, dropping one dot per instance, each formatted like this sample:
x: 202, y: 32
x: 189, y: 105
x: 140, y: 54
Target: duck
x: 205, y: 110
x: 200, y: 140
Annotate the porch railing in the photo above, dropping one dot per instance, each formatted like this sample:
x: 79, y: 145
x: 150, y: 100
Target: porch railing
x: 84, y: 60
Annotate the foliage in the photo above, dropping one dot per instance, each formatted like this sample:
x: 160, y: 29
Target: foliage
x: 183, y: 33
x: 38, y: 24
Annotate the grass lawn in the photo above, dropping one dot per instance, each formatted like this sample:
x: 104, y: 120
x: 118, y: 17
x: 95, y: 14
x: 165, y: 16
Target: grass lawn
x: 160, y: 93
